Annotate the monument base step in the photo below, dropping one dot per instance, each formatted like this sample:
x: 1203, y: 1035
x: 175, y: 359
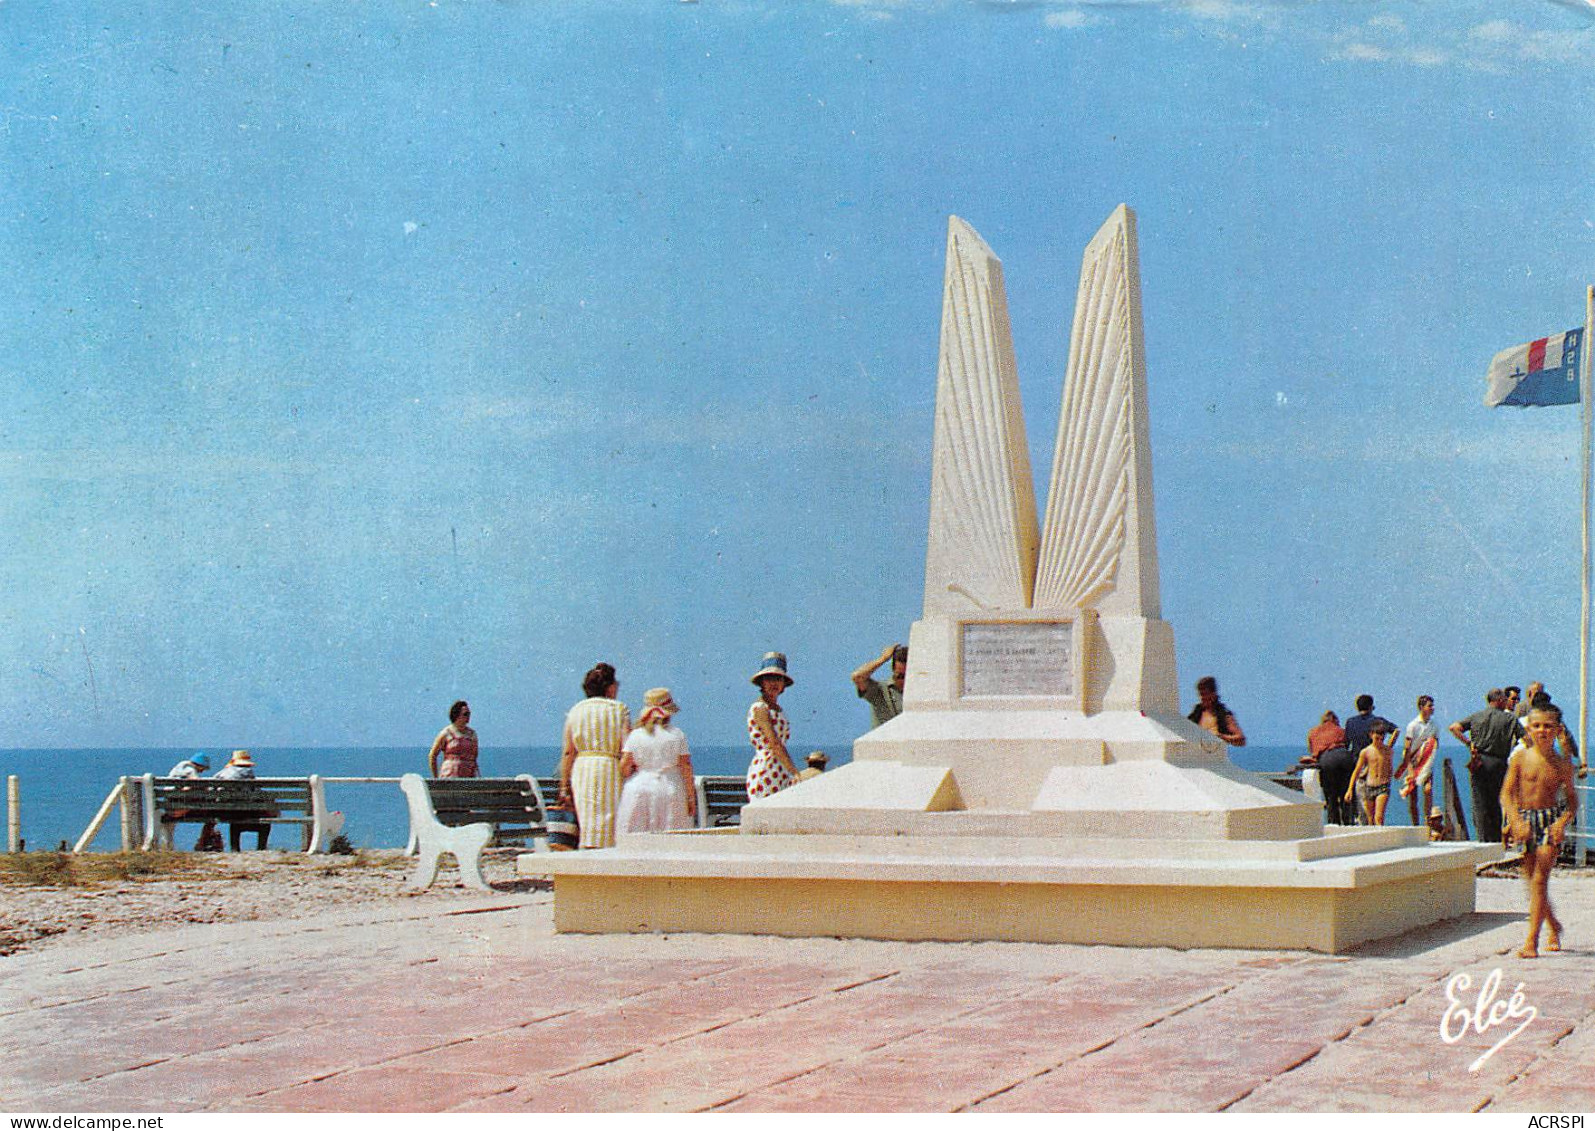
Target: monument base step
x: 1014, y: 889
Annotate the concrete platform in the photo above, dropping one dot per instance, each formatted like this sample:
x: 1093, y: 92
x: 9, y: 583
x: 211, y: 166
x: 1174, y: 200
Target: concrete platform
x: 1325, y: 893
x: 478, y: 1005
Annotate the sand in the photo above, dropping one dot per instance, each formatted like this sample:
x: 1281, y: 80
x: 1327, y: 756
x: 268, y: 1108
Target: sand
x: 228, y: 888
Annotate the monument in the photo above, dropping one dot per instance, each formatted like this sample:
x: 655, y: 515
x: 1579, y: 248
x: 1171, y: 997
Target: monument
x: 1041, y: 783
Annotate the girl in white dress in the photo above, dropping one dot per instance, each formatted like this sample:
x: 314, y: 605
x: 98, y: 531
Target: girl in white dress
x: 658, y: 795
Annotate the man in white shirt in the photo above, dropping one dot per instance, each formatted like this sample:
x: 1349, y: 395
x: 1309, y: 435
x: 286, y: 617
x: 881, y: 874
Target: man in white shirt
x: 1417, y: 755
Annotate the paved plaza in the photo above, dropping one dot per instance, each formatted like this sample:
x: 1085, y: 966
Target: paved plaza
x: 475, y: 1004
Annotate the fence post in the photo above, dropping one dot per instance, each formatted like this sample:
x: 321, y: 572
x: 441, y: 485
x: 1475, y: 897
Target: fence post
x: 1581, y: 841
x: 13, y: 814
x: 132, y: 826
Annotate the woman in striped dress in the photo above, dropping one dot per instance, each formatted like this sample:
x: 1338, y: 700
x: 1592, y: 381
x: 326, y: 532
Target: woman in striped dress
x: 589, y: 768
x: 768, y: 729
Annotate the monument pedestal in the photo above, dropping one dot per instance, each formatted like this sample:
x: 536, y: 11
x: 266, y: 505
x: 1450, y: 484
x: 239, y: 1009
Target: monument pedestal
x: 1326, y: 893
x: 1027, y: 826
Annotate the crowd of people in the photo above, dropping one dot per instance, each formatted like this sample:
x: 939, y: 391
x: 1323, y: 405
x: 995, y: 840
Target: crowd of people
x: 616, y: 777
x: 1523, y: 765
x: 1359, y: 757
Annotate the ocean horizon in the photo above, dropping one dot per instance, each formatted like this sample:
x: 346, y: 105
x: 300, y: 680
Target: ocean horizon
x: 62, y: 789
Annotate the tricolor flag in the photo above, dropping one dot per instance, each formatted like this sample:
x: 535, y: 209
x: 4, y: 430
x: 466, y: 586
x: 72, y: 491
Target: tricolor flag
x: 1543, y: 372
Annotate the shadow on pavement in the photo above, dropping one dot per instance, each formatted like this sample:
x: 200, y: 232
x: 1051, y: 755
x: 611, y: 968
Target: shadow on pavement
x: 1436, y: 935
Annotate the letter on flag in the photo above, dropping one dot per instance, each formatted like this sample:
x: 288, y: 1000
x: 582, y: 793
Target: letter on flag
x: 1538, y: 373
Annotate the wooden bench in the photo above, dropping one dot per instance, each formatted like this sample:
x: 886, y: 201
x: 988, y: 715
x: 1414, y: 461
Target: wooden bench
x: 720, y: 798
x: 720, y: 801
x: 1290, y: 779
x: 513, y: 806
x: 462, y: 816
x: 255, y: 803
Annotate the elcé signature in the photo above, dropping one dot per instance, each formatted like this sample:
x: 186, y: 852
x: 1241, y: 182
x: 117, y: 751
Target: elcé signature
x: 1486, y: 1013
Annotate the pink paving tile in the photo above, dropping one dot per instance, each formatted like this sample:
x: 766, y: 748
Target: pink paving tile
x: 712, y: 1067
x: 195, y: 1031
x: 29, y: 1029
x: 238, y: 1071
x: 835, y: 1058
x: 1080, y: 1086
x: 1416, y: 1043
x: 762, y: 1102
x: 58, y: 1065
x: 1342, y: 1079
x: 841, y: 1096
x: 587, y: 1094
x: 451, y: 1022
x: 1119, y: 991
x: 281, y: 1061
x: 536, y: 1051
x: 1397, y: 1095
x: 1535, y: 1095
x: 1209, y: 1073
x: 190, y: 1082
x: 505, y: 1102
x: 379, y: 1089
x: 87, y: 1098
x: 662, y: 1016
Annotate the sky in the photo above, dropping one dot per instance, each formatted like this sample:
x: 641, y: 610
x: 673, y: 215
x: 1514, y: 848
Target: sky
x: 362, y: 357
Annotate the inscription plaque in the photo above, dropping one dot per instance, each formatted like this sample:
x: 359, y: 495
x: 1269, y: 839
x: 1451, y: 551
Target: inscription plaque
x: 1025, y: 659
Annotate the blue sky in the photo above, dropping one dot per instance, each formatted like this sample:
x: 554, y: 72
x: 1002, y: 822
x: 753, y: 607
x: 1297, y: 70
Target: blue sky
x: 362, y: 357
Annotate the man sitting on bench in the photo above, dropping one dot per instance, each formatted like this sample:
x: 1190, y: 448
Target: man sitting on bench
x: 209, y: 839
x: 241, y: 767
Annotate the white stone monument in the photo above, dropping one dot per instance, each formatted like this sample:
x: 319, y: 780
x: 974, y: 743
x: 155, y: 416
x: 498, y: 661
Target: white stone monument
x: 1041, y: 782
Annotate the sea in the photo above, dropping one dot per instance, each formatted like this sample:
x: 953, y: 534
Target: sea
x: 61, y: 790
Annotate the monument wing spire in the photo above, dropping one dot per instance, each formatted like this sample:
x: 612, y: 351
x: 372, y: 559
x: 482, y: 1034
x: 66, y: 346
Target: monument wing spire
x: 1099, y: 544
x: 981, y: 552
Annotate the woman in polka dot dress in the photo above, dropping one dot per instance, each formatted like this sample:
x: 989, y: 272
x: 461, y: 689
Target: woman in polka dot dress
x: 771, y: 770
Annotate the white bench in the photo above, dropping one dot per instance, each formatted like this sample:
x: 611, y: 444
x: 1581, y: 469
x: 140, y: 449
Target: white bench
x: 476, y: 812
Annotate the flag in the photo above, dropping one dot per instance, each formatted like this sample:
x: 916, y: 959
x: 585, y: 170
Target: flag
x: 1538, y: 373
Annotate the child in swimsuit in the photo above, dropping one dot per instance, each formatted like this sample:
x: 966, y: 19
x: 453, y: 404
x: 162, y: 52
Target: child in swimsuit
x: 1375, y: 758
x: 1536, y: 819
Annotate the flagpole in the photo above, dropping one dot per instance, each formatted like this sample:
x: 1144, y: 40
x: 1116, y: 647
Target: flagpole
x: 1582, y: 842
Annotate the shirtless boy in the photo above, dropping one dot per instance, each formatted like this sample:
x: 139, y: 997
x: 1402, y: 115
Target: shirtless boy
x: 1535, y: 818
x: 1375, y: 758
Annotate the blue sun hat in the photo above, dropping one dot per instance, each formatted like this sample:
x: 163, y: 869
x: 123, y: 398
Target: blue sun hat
x: 774, y: 664
x: 202, y: 760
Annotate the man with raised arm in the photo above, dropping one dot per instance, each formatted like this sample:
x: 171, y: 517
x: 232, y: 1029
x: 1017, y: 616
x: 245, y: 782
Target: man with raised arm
x: 885, y: 698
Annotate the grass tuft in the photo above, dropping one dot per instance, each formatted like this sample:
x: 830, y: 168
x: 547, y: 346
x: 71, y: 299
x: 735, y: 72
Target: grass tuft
x: 64, y: 870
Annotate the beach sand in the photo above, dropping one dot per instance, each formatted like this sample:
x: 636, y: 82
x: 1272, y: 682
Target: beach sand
x: 321, y: 986
x: 224, y: 888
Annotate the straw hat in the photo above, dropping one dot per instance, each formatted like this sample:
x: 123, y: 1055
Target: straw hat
x: 774, y: 664
x: 241, y: 758
x: 659, y: 697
